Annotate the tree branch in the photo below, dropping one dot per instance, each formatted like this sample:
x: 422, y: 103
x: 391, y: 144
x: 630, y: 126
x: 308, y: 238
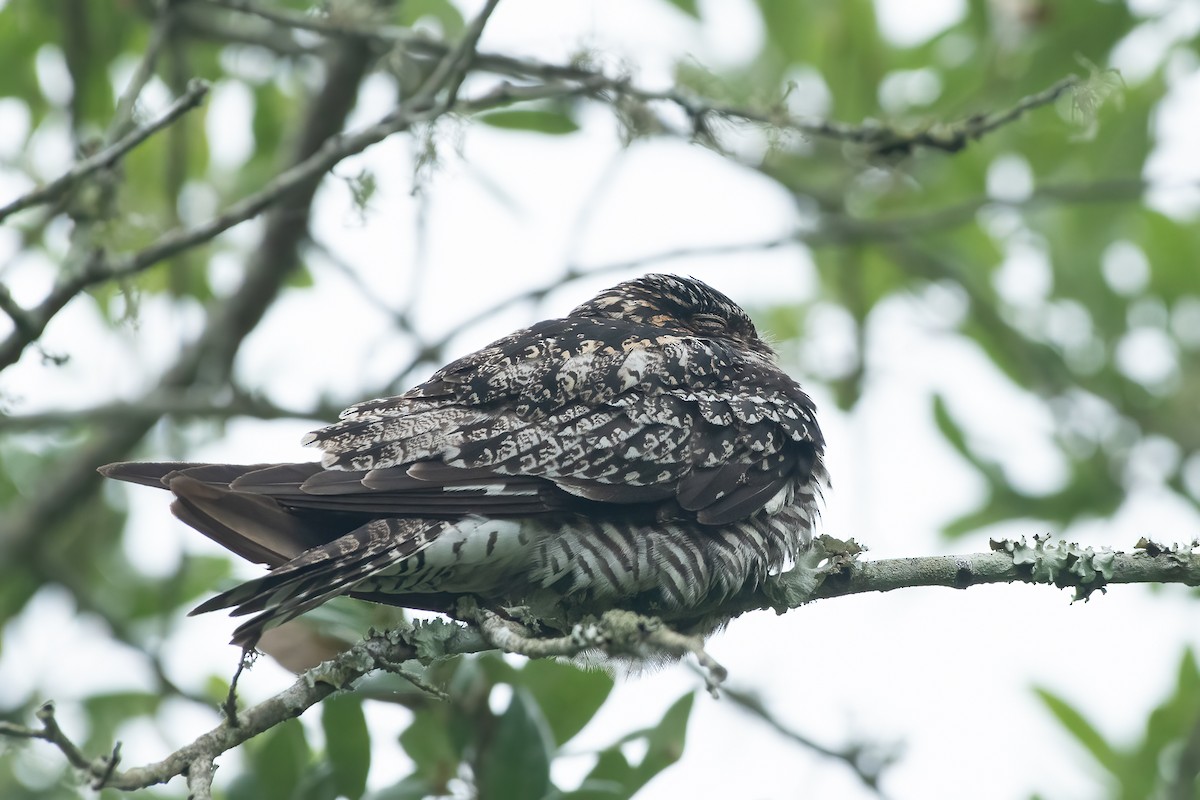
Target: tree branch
x: 230, y: 319
x: 173, y: 404
x: 884, y: 141
x: 1043, y: 561
x: 312, y: 168
x: 127, y: 104
x: 110, y: 155
x: 199, y: 778
x: 835, y: 564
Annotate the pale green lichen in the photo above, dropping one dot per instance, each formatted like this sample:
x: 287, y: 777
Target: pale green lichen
x: 799, y: 584
x: 1062, y: 563
x: 624, y: 631
x: 433, y: 639
x: 1180, y: 552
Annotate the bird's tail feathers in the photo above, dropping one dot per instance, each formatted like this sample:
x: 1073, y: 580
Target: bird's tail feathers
x: 257, y: 528
x: 320, y: 574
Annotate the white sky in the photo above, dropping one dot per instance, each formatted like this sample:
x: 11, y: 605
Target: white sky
x: 947, y: 674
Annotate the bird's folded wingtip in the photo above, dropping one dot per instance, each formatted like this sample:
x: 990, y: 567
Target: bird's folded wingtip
x: 146, y: 473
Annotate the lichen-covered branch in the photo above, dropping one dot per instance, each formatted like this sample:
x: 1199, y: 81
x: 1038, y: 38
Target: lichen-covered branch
x: 1040, y: 561
x: 837, y: 568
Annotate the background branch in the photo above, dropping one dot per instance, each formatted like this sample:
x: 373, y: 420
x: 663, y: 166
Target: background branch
x: 110, y: 155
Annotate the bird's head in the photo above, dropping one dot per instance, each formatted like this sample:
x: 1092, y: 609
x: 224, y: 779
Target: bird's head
x: 676, y: 303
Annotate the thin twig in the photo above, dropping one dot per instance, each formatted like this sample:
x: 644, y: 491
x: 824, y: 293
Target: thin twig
x: 453, y: 68
x: 199, y: 778
x: 882, y: 139
x: 194, y: 21
x: 123, y: 119
x: 322, y: 23
x: 104, y: 159
x: 25, y: 527
x: 102, y: 269
x: 49, y: 732
x: 172, y: 404
x: 308, y: 690
x: 867, y: 761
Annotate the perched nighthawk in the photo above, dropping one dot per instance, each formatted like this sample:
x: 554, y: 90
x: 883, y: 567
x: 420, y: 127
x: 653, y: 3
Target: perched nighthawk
x: 643, y: 452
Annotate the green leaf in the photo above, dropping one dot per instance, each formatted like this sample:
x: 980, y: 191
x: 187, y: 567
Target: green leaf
x: 1083, y: 731
x: 516, y: 764
x: 950, y: 429
x: 348, y: 744
x: 568, y: 696
x: 689, y: 7
x: 666, y: 739
x: 427, y: 741
x: 613, y: 775
x: 450, y: 18
x: 555, y: 123
x: 317, y: 783
x: 414, y: 787
x: 243, y: 787
x: 280, y: 761
x: 1174, y: 719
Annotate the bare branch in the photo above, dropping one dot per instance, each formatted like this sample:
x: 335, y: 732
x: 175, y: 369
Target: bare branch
x: 230, y: 319
x: 453, y: 67
x: 955, y: 136
x: 325, y: 24
x: 127, y: 104
x: 196, y: 759
x: 101, y: 269
x: 616, y: 633
x: 883, y: 140
x: 110, y: 155
x: 194, y: 21
x: 49, y: 732
x: 174, y: 404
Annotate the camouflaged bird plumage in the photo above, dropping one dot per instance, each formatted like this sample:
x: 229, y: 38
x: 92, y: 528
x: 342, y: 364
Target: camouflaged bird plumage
x: 643, y: 452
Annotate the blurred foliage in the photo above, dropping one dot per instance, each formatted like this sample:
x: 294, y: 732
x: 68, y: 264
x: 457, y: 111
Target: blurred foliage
x: 1165, y: 762
x: 465, y: 744
x: 1061, y: 272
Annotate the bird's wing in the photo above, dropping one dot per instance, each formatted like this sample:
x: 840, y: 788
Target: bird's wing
x: 606, y: 410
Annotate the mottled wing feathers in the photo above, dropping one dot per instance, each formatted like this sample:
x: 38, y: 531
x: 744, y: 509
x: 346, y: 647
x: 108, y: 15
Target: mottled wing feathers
x: 611, y: 410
